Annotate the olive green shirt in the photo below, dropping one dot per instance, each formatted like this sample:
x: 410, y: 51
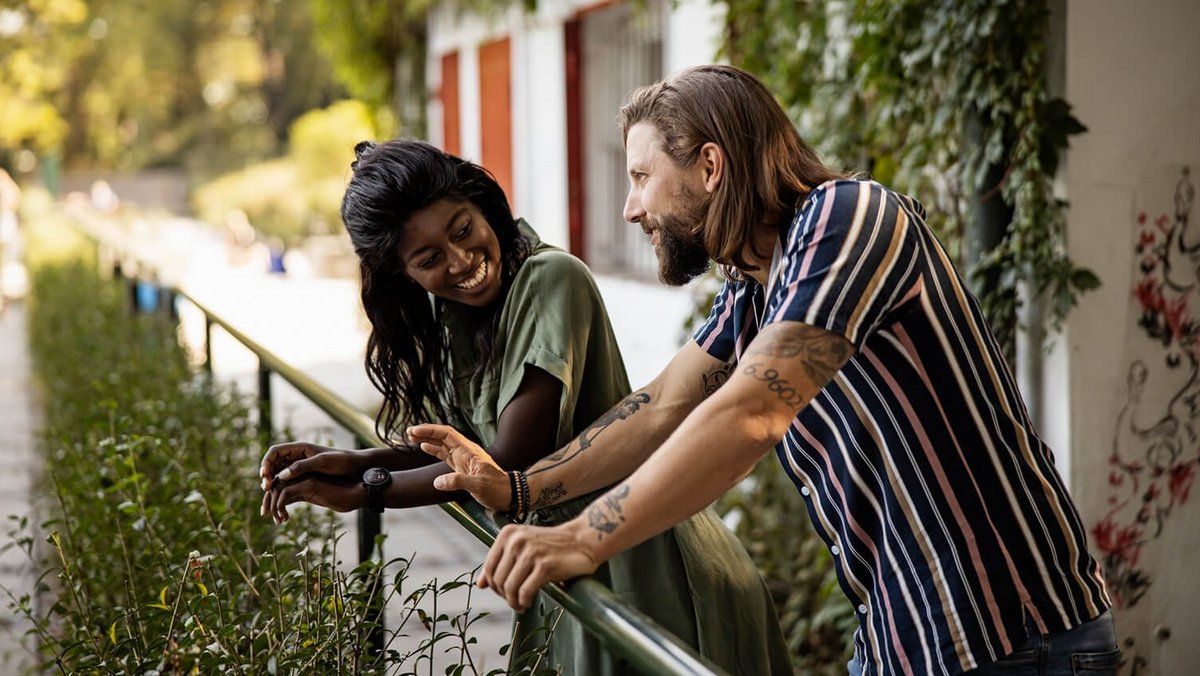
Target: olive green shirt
x: 554, y: 319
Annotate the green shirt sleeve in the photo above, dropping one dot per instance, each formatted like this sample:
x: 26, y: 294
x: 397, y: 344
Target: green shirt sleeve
x: 549, y: 317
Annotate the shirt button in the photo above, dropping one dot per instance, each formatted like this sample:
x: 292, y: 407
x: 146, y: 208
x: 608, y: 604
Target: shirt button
x: 804, y: 490
x: 862, y: 609
x: 835, y: 550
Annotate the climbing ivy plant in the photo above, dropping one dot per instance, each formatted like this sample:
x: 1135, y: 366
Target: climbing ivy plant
x: 946, y: 100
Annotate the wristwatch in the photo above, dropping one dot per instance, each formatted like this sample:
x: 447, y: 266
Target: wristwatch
x: 376, y: 480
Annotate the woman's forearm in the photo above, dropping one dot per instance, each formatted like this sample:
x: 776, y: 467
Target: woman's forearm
x: 399, y: 459
x: 414, y: 487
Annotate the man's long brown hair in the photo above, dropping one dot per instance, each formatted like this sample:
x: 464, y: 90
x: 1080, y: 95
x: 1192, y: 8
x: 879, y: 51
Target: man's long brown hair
x: 769, y: 168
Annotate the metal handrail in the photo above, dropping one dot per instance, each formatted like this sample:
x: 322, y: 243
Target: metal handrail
x: 648, y: 646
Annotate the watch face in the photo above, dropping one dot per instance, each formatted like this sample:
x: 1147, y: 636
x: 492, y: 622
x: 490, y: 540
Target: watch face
x: 376, y: 476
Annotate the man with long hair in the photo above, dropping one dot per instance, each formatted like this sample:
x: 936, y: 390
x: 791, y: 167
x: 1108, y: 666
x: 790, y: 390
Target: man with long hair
x: 845, y: 340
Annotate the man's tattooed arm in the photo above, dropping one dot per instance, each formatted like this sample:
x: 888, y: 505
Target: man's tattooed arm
x: 549, y: 496
x: 629, y: 406
x: 822, y: 353
x: 606, y: 513
x: 714, y: 379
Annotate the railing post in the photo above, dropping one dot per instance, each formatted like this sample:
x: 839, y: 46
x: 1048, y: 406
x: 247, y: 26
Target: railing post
x: 264, y: 401
x: 208, y: 323
x: 166, y: 300
x: 370, y: 525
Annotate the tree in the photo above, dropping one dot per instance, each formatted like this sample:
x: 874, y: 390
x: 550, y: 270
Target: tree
x: 378, y: 51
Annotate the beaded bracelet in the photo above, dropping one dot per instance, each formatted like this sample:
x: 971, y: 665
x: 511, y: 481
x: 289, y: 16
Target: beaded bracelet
x: 519, y: 485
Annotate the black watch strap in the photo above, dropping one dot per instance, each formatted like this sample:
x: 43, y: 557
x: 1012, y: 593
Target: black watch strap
x: 376, y: 480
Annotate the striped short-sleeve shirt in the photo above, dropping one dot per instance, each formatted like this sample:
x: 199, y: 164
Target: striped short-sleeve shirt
x: 951, y: 529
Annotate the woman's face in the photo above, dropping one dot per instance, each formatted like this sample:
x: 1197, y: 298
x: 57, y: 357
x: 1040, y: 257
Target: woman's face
x: 451, y: 251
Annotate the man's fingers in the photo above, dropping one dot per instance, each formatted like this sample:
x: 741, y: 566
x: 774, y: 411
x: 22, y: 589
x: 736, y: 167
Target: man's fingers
x: 530, y: 586
x: 431, y: 432
x: 494, y: 556
x: 266, y: 504
x: 436, y: 449
x: 515, y: 581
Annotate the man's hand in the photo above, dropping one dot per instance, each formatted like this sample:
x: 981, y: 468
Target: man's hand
x: 524, y: 558
x: 474, y: 470
x: 339, y: 493
x: 292, y: 460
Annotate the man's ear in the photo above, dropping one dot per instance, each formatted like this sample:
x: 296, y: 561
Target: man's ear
x: 712, y: 159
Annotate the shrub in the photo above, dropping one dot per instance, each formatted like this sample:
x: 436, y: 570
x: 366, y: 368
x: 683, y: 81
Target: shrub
x: 155, y: 558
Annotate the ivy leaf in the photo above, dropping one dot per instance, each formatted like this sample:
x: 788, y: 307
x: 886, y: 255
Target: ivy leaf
x: 1084, y: 279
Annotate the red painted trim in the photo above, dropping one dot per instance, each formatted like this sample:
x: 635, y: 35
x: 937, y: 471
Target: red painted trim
x: 576, y: 187
x: 495, y: 112
x: 451, y: 114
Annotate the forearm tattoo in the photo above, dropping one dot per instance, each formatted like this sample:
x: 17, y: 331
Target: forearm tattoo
x: 629, y: 406
x: 779, y: 386
x: 549, y: 495
x: 607, y: 513
x: 714, y: 379
x: 822, y: 353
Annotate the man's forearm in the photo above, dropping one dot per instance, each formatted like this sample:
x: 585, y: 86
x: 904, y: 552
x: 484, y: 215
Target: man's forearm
x: 675, y: 482
x: 608, y: 450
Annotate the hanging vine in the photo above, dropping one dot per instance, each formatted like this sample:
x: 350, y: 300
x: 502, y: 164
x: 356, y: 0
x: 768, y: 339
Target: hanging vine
x: 946, y: 100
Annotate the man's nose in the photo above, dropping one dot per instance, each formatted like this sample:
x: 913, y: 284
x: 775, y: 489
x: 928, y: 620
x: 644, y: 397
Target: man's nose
x: 633, y: 208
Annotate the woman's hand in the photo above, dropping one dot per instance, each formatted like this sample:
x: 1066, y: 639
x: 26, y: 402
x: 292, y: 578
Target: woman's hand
x: 474, y: 470
x: 291, y: 460
x: 339, y: 493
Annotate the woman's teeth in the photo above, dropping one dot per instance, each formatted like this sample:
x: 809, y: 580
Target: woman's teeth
x: 476, y: 279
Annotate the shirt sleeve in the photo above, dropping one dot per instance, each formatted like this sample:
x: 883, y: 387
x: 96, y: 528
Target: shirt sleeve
x: 849, y: 258
x: 717, y: 334
x: 549, y: 316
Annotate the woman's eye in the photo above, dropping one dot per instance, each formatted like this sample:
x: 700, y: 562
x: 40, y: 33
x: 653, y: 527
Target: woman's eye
x: 427, y: 261
x: 464, y: 231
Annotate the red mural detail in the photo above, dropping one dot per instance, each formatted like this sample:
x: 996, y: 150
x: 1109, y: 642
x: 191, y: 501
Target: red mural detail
x: 1152, y: 468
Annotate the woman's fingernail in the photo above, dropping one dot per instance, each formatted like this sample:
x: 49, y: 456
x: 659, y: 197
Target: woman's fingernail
x: 439, y: 483
x: 284, y: 475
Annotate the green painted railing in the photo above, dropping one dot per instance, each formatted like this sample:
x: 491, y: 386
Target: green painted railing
x: 621, y: 629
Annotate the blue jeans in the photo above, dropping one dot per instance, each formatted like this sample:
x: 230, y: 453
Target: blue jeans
x: 1089, y: 649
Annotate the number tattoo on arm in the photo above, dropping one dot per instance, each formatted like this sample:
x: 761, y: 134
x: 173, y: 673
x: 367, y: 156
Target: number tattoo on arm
x: 821, y: 353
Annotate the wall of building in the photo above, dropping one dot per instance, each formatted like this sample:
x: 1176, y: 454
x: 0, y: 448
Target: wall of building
x: 646, y: 316
x: 1123, y: 386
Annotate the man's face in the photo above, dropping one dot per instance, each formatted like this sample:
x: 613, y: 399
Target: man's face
x: 668, y: 202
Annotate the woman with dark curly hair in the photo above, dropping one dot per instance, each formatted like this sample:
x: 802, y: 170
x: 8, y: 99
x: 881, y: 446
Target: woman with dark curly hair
x: 477, y: 323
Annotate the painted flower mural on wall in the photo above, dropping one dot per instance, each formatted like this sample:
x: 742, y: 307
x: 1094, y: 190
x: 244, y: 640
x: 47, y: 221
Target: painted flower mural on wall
x: 1153, y: 465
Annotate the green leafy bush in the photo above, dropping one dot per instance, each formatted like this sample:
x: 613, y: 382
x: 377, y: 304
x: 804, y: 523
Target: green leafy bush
x: 301, y: 193
x: 155, y: 558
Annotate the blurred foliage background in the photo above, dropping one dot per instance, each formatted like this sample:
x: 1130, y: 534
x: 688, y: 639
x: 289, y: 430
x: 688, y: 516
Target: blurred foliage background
x: 257, y: 102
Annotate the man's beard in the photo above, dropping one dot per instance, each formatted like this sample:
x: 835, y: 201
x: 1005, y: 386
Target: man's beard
x: 681, y: 256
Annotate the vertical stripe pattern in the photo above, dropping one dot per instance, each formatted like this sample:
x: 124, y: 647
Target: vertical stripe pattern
x: 948, y: 522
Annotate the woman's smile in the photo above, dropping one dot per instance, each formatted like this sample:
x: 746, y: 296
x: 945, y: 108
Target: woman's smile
x: 451, y: 251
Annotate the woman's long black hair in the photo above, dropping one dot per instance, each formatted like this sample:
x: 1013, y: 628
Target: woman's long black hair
x: 407, y: 351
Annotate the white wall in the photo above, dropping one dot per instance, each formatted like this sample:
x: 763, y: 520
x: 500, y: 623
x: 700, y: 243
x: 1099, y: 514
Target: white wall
x: 646, y: 316
x: 1133, y: 75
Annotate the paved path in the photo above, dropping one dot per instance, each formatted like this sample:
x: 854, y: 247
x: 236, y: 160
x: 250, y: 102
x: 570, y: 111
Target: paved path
x: 18, y: 422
